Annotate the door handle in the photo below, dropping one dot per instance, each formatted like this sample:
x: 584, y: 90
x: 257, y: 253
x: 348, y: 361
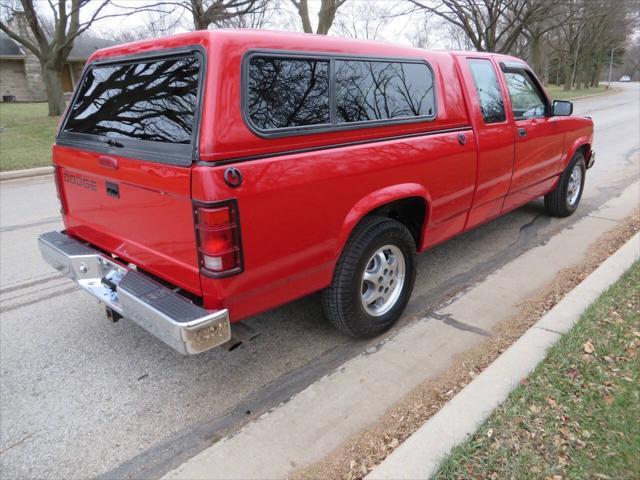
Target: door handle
x: 522, y: 131
x: 108, y: 162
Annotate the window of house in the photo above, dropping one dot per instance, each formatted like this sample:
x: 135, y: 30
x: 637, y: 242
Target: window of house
x: 488, y: 88
x: 288, y: 92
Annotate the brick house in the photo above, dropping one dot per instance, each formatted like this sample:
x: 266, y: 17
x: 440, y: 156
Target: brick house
x: 20, y: 74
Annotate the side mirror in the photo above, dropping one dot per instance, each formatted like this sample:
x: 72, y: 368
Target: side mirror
x: 562, y: 108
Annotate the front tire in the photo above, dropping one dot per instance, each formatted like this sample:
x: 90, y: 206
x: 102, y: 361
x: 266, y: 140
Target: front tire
x: 373, y: 279
x: 564, y: 199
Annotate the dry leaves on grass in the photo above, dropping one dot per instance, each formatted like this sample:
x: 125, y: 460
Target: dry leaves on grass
x: 588, y: 347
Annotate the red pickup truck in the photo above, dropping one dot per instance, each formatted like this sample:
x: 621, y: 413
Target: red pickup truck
x: 209, y: 176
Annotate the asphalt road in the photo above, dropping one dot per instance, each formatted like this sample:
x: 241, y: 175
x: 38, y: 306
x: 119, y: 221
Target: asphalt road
x: 82, y: 397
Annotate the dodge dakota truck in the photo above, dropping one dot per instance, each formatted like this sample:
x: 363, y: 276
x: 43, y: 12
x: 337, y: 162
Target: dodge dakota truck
x: 209, y: 176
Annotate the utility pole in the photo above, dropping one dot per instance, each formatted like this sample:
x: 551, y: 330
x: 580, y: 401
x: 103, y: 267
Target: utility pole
x: 611, y: 63
x: 575, y: 62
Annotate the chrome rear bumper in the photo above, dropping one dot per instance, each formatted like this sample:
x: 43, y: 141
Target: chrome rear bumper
x: 186, y: 327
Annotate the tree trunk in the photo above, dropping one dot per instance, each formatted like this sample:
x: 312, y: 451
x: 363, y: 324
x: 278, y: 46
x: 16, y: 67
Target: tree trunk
x: 200, y: 23
x: 536, y: 54
x: 53, y: 86
x: 595, y: 77
x: 568, y: 75
x: 545, y: 70
x: 326, y: 16
x: 303, y: 11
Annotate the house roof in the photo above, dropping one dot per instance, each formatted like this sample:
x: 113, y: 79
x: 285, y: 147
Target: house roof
x: 84, y: 46
x: 9, y: 48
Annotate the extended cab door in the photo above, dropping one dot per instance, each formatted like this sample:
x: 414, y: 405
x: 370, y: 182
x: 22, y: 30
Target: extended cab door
x: 494, y: 136
x: 538, y: 136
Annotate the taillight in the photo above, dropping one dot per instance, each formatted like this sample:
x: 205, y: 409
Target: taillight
x: 218, y: 231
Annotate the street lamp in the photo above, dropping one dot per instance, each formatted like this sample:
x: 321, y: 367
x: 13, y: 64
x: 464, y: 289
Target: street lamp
x: 611, y: 63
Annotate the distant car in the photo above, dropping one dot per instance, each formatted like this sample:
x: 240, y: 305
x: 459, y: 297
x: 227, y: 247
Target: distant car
x: 625, y: 78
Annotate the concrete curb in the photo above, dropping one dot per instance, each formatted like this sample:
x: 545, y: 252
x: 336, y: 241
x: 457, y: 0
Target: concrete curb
x: 421, y: 454
x: 610, y: 91
x: 26, y: 173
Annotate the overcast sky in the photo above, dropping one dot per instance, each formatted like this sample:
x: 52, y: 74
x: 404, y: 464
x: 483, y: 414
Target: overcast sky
x: 351, y: 17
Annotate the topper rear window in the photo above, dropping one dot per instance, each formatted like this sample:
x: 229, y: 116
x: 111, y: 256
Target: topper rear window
x: 145, y: 108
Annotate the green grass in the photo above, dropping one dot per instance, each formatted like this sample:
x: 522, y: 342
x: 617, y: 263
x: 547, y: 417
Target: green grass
x: 557, y: 93
x: 26, y: 135
x: 578, y: 415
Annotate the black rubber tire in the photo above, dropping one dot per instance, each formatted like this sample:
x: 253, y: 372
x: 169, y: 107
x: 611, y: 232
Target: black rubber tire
x: 556, y: 202
x: 341, y: 300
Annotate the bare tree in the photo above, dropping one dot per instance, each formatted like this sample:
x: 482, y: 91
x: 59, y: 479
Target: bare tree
x: 363, y: 20
x: 534, y: 41
x: 419, y: 35
x: 51, y: 40
x: 582, y: 44
x: 457, y: 37
x: 572, y: 39
x: 260, y: 18
x: 491, y: 25
x: 222, y: 13
x: 156, y: 24
x: 326, y: 15
x: 631, y: 62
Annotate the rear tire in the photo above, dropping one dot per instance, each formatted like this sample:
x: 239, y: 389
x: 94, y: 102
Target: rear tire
x: 565, y: 198
x: 373, y: 278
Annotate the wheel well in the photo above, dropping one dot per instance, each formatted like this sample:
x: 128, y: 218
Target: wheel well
x: 584, y: 149
x: 411, y: 212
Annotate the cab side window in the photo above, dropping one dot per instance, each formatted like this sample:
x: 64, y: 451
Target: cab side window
x: 526, y: 99
x: 488, y: 88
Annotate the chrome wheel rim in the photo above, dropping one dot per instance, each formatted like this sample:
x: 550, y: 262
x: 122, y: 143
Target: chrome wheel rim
x: 382, y: 280
x: 575, y: 184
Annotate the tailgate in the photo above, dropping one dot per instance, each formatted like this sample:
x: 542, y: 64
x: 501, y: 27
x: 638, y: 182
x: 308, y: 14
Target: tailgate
x: 123, y: 162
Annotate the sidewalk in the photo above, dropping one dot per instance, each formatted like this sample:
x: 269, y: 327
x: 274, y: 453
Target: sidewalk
x: 421, y: 454
x: 318, y: 420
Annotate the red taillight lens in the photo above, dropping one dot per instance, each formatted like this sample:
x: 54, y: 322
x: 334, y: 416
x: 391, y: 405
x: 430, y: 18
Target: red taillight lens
x: 216, y: 241
x: 214, y: 216
x: 219, y: 239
